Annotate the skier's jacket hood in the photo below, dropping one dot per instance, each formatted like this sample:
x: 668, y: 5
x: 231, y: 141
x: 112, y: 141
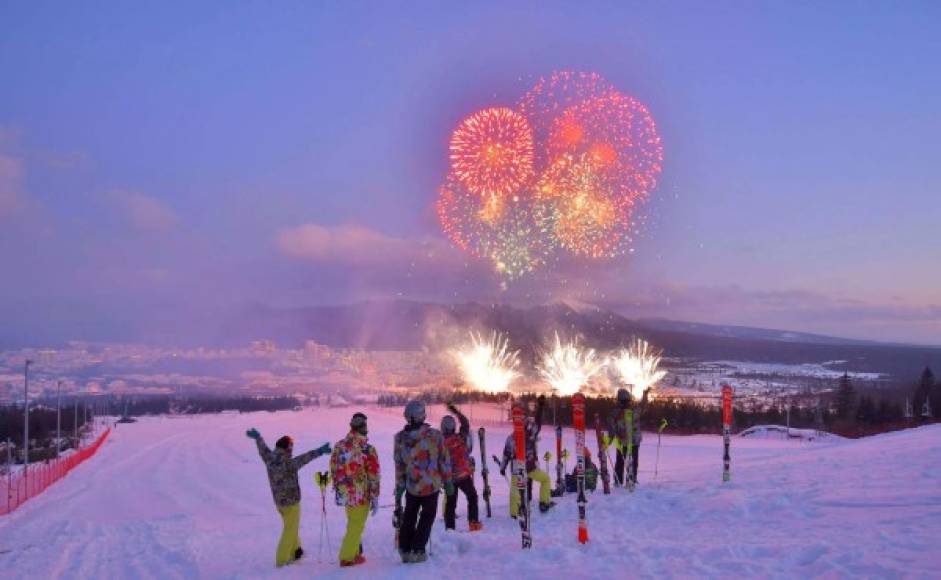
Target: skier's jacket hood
x: 422, y: 462
x: 282, y: 472
x: 354, y: 467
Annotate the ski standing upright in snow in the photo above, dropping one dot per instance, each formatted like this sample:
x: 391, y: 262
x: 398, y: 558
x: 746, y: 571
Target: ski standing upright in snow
x: 629, y: 477
x: 726, y: 431
x: 602, y: 456
x: 559, y: 469
x: 519, y: 467
x: 485, y: 472
x: 578, y: 418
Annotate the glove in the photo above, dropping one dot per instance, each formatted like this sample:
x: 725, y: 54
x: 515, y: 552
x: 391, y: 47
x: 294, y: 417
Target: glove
x: 399, y: 492
x: 449, y: 488
x: 253, y: 434
x: 374, y: 506
x: 323, y: 449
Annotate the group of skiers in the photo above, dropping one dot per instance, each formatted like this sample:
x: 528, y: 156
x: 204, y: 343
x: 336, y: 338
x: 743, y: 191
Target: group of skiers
x: 427, y: 461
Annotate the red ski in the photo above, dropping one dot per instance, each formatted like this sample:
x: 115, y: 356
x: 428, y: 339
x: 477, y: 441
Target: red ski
x: 519, y: 468
x: 578, y: 414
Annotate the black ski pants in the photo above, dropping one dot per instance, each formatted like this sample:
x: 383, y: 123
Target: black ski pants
x: 417, y: 520
x: 466, y: 485
x: 619, y: 466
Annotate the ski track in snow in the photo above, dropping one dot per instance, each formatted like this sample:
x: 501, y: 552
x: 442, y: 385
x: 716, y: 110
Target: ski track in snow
x: 186, y: 497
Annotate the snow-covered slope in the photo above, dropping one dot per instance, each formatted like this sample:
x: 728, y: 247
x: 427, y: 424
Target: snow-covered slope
x: 187, y: 497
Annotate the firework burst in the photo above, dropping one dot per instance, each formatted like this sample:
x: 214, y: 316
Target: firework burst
x: 574, y: 203
x: 492, y: 154
x: 513, y: 243
x: 568, y: 367
x: 488, y: 364
x: 566, y: 174
x: 637, y: 366
x: 618, y: 135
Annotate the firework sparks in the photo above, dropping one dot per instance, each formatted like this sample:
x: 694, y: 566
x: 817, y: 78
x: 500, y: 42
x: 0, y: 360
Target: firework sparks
x: 492, y: 155
x: 638, y: 365
x: 567, y: 174
x: 489, y: 365
x: 576, y: 206
x: 513, y: 244
x: 568, y: 367
x: 617, y: 133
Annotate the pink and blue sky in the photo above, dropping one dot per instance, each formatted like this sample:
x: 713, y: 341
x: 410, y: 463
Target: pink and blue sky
x: 165, y: 163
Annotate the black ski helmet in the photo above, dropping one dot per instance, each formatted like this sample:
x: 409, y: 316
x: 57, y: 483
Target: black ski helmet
x: 624, y: 396
x: 448, y: 425
x: 415, y: 412
x: 358, y: 423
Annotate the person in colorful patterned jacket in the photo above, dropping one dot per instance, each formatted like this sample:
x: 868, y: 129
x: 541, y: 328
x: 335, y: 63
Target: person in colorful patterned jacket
x: 460, y: 445
x: 354, y: 468
x: 282, y: 476
x: 533, y: 427
x: 422, y: 468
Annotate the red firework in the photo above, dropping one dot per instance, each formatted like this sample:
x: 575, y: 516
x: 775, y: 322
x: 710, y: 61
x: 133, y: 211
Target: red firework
x: 552, y: 95
x: 492, y: 154
x: 620, y: 137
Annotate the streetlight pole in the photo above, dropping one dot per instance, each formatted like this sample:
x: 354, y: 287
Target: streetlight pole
x: 26, y: 418
x: 75, y: 425
x: 58, y: 417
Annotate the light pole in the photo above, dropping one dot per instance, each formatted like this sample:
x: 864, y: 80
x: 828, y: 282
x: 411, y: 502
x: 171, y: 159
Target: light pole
x: 58, y: 417
x: 26, y: 418
x: 75, y: 425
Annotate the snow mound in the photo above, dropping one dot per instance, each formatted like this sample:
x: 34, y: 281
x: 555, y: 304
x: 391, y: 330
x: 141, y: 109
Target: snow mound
x: 782, y: 432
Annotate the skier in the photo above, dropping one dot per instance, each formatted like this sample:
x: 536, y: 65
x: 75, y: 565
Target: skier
x: 422, y: 468
x: 354, y: 467
x: 533, y: 426
x: 460, y: 446
x: 617, y: 428
x: 282, y: 475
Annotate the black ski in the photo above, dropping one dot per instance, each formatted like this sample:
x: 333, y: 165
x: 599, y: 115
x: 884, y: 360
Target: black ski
x: 484, y: 471
x: 602, y: 456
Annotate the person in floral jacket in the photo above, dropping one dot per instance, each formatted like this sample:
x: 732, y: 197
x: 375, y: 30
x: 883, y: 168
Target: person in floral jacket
x: 422, y: 468
x: 354, y: 468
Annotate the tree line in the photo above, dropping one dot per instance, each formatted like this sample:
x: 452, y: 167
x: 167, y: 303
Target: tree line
x: 845, y: 409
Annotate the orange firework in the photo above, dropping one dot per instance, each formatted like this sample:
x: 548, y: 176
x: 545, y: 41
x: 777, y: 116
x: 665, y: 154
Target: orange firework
x: 575, y: 202
x: 492, y: 156
x: 511, y: 242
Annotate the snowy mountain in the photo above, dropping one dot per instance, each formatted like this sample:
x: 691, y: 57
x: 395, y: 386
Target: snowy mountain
x: 406, y: 325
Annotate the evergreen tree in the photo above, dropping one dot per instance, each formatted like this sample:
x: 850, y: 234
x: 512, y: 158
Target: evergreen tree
x: 924, y: 390
x: 845, y: 397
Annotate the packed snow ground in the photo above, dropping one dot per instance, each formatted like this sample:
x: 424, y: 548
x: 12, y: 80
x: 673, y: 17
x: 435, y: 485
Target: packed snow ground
x: 187, y: 497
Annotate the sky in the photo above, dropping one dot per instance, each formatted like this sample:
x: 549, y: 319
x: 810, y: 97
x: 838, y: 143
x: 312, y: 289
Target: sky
x: 164, y: 165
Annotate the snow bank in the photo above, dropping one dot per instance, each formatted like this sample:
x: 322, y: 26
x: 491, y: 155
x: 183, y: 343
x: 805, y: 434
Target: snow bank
x: 188, y: 498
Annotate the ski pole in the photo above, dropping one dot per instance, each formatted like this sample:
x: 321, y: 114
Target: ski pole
x: 663, y: 425
x: 322, y: 478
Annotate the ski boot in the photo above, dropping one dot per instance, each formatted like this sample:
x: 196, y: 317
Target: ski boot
x: 546, y: 506
x: 419, y: 556
x: 475, y: 526
x: 298, y: 553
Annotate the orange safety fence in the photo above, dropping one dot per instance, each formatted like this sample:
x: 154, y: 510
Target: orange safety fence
x: 28, y: 484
